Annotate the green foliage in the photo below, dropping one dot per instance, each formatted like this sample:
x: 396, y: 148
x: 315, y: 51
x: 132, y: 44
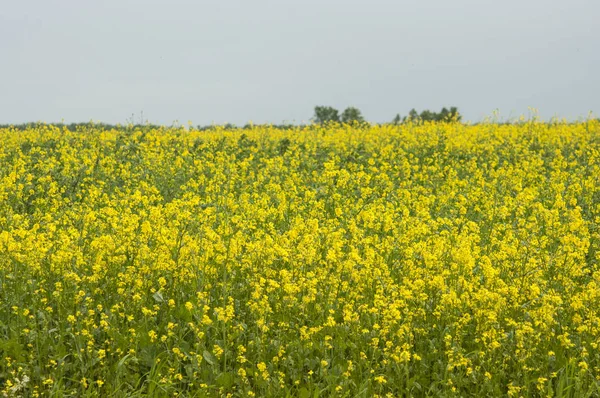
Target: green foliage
x: 445, y: 115
x: 324, y: 114
x: 352, y: 114
x: 418, y: 260
x: 413, y: 115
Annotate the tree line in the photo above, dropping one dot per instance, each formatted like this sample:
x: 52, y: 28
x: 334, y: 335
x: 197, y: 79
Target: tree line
x: 327, y: 114
x: 322, y: 114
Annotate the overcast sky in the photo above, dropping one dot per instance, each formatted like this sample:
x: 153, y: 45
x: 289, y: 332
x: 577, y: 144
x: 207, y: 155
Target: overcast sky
x: 273, y: 61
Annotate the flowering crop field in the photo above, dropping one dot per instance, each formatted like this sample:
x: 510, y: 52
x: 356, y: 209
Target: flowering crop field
x: 411, y: 260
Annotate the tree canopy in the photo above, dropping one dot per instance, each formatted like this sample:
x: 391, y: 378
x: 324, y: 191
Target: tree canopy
x: 445, y: 115
x: 352, y: 114
x: 325, y: 114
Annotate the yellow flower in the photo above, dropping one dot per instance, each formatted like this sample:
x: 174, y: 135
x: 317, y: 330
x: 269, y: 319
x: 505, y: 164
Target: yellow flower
x: 218, y: 350
x: 380, y: 379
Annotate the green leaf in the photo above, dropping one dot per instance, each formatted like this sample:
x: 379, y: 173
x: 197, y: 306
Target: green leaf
x: 158, y: 297
x: 225, y: 380
x: 210, y: 358
x: 304, y: 393
x: 122, y: 361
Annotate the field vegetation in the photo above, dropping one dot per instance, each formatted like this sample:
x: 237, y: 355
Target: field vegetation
x: 409, y: 259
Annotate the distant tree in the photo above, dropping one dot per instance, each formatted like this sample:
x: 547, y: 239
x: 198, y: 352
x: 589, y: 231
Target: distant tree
x: 428, y: 116
x: 352, y: 114
x: 413, y: 115
x: 325, y: 114
x: 445, y: 115
x: 397, y: 119
x: 454, y: 115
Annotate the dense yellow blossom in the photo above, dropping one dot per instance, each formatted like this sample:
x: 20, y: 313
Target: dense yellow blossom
x: 411, y: 260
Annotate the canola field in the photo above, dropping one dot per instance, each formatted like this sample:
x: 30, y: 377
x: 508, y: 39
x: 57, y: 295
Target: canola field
x: 325, y: 261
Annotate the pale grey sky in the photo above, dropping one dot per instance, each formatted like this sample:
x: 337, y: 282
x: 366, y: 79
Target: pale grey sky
x: 272, y: 61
